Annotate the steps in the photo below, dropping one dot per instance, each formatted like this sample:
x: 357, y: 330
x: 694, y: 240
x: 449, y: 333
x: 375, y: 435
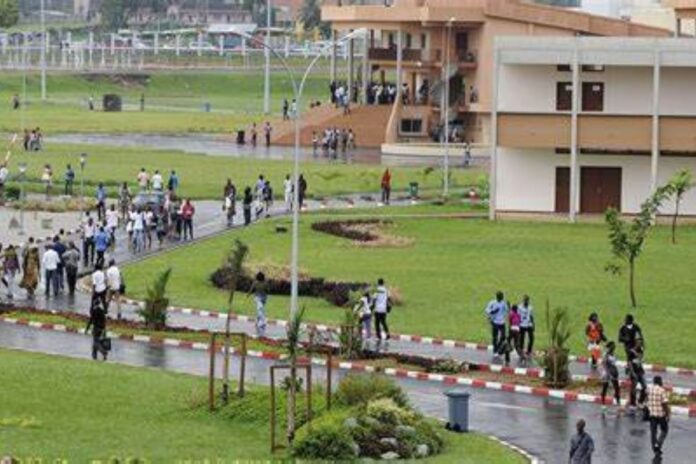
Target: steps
x: 369, y: 123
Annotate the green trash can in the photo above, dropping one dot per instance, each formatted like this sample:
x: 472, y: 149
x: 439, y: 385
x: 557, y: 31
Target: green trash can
x: 413, y: 189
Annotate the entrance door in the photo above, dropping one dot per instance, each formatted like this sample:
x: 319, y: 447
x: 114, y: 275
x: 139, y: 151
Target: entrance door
x: 462, y: 43
x: 562, y: 190
x: 600, y: 188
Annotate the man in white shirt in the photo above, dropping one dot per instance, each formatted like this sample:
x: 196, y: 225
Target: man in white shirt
x: 112, y: 224
x: 157, y: 181
x: 287, y: 189
x: 138, y: 231
x: 114, y: 285
x: 50, y: 263
x: 89, y: 229
x: 526, y: 324
x: 382, y: 304
x: 99, y: 286
x: 4, y: 173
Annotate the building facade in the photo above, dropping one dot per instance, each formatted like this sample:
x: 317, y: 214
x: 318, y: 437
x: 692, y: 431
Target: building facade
x: 427, y: 43
x: 582, y: 124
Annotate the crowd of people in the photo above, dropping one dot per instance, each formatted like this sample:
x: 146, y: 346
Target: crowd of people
x: 375, y: 306
x: 332, y: 141
x: 33, y: 139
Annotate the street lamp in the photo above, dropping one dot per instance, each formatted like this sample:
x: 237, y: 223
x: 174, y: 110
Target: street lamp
x: 445, y: 184
x: 267, y: 70
x: 22, y: 197
x: 297, y: 92
x: 83, y: 161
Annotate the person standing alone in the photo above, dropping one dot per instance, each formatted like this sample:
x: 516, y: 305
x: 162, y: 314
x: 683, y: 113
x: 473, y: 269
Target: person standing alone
x: 386, y: 186
x: 382, y: 303
x: 581, y: 445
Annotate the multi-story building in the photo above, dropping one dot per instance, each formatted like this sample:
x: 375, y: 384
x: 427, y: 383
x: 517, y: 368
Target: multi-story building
x: 581, y: 124
x: 412, y: 41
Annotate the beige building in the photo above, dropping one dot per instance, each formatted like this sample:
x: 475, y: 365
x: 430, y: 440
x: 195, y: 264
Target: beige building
x: 581, y: 124
x: 411, y: 41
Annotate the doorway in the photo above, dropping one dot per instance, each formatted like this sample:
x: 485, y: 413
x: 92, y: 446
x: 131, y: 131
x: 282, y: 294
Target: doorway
x: 600, y: 189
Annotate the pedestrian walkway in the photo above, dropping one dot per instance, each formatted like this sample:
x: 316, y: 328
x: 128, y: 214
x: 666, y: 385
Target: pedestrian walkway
x: 541, y: 426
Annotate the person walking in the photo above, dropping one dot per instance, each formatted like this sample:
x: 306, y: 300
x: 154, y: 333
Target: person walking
x: 382, y: 307
x: 69, y: 180
x: 610, y: 375
x: 526, y: 327
x: 302, y: 191
x: 629, y: 333
x: 157, y: 181
x: 138, y: 219
x: 10, y: 267
x: 97, y: 322
x: 31, y: 267
x: 71, y: 260
x: 386, y: 186
x: 101, y: 244
x: 101, y: 201
x: 47, y: 180
x: 99, y: 287
x: 287, y: 192
x: 143, y: 179
x: 111, y: 225
x: 173, y: 181
x: 658, y: 415
x: 514, y: 321
x: 246, y: 205
x: 187, y: 212
x: 268, y: 198
x: 89, y: 230
x: 595, y: 337
x: 115, y: 287
x: 267, y: 129
x: 363, y: 310
x: 636, y: 376
x: 50, y: 263
x: 259, y: 288
x: 254, y: 134
x: 581, y: 445
x: 60, y: 248
x: 124, y: 201
x: 286, y: 110
x: 497, y: 311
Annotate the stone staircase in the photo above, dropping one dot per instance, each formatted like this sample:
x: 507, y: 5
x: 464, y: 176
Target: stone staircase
x: 369, y: 123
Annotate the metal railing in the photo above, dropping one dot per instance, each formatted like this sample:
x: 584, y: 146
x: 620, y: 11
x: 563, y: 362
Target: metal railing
x: 408, y: 54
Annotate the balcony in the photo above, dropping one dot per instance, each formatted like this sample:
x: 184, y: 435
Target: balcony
x: 466, y: 59
x: 409, y: 55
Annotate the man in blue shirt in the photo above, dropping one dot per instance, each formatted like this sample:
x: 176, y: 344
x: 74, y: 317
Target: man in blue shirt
x: 173, y: 183
x: 101, y: 201
x: 69, y: 180
x: 497, y: 311
x: 101, y: 244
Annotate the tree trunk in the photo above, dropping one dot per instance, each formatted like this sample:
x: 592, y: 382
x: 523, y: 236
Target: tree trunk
x: 226, y: 365
x: 631, y: 281
x: 674, y: 221
x: 292, y: 396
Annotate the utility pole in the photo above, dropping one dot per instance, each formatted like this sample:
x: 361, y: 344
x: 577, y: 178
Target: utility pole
x: 43, y: 50
x: 267, y: 73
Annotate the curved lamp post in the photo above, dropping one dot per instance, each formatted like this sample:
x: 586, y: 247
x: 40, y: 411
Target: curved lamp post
x: 22, y: 178
x: 297, y: 91
x: 83, y: 161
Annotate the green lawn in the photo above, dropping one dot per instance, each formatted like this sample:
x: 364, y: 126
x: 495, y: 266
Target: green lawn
x: 455, y: 266
x: 203, y: 176
x: 174, y: 101
x: 82, y: 411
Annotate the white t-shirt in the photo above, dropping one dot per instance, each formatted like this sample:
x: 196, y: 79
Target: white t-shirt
x: 113, y: 277
x: 50, y: 260
x: 3, y: 174
x: 288, y: 185
x: 138, y: 221
x: 149, y: 218
x: 98, y: 281
x: 381, y: 298
x: 111, y: 219
x: 157, y: 182
x: 88, y: 230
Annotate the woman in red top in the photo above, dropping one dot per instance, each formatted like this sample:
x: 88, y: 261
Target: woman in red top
x: 595, y: 336
x: 386, y: 186
x: 514, y: 320
x: 187, y: 212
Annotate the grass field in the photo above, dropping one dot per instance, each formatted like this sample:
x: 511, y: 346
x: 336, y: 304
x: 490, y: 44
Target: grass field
x: 454, y: 267
x: 82, y: 411
x: 174, y: 101
x: 203, y: 176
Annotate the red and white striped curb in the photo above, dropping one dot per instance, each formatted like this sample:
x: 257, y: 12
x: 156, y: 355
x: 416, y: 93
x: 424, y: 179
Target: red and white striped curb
x: 448, y: 343
x: 445, y: 379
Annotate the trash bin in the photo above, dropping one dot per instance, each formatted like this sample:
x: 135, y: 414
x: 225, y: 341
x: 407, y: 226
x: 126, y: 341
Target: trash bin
x: 413, y: 189
x: 240, y: 137
x: 206, y: 107
x: 112, y: 103
x: 458, y: 410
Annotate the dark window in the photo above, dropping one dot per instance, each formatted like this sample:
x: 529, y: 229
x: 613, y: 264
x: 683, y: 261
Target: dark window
x: 391, y: 40
x: 411, y: 126
x: 408, y: 41
x: 424, y: 41
x: 592, y: 68
x: 563, y: 68
x: 593, y: 96
x: 564, y: 96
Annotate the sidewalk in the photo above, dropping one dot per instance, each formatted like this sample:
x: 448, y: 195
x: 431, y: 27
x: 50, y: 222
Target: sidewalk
x: 540, y: 426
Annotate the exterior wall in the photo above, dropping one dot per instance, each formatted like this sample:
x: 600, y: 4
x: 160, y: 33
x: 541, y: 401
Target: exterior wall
x: 677, y: 96
x: 527, y: 179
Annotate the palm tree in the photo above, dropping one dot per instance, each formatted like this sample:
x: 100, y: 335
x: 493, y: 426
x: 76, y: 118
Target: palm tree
x: 235, y: 264
x: 556, y: 358
x: 293, y: 347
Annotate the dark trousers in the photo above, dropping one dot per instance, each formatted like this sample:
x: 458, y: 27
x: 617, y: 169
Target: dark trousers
x: 88, y: 252
x: 188, y: 228
x: 61, y: 278
x: 97, y: 335
x: 101, y: 210
x: 381, y: 323
x: 247, y: 216
x: 68, y: 188
x: 71, y: 274
x: 498, y: 337
x: 100, y: 257
x: 617, y: 390
x: 527, y: 331
x: 52, y: 280
x: 637, y: 379
x: 101, y: 297
x: 655, y: 440
x: 386, y: 194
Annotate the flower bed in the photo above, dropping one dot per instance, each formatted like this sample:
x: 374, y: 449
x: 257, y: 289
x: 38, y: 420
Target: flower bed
x: 363, y: 232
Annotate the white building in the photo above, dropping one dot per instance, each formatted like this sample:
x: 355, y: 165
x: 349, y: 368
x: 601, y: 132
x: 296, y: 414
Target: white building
x: 631, y: 127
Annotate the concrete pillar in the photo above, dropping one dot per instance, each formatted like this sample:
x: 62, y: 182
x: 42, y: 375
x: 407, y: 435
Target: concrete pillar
x: 155, y: 44
x: 112, y: 46
x: 287, y: 46
x: 574, y: 163
x: 677, y: 27
x: 399, y: 62
x: 90, y: 44
x: 221, y: 45
x: 334, y: 36
x: 177, y: 44
x: 493, y: 182
x: 199, y: 42
x: 351, y: 62
x: 366, y: 71
x: 655, y: 145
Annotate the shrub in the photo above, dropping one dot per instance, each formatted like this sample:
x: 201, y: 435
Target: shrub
x: 427, y: 435
x: 326, y: 442
x: 359, y: 389
x: 556, y: 356
x: 12, y: 192
x: 156, y: 302
x: 386, y: 411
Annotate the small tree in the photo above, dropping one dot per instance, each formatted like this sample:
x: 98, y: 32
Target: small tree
x: 627, y: 239
x: 350, y: 338
x: 679, y: 185
x: 294, y: 333
x: 235, y: 263
x: 9, y: 13
x: 556, y: 360
x: 155, y: 311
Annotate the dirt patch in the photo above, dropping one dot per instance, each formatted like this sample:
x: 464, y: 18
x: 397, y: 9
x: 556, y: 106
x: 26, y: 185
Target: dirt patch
x: 368, y: 233
x: 127, y: 81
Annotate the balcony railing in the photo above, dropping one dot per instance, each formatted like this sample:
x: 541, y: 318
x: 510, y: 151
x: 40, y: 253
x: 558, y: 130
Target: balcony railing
x: 408, y: 55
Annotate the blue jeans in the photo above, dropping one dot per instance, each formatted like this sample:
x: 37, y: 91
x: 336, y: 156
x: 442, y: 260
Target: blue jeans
x: 52, y: 279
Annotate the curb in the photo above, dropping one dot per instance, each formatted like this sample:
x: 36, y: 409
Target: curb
x: 524, y: 453
x: 448, y: 343
x: 444, y: 379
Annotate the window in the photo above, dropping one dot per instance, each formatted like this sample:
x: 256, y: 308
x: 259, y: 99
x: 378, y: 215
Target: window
x: 391, y: 39
x: 411, y: 126
x: 593, y: 96
x: 408, y: 41
x: 592, y: 68
x: 563, y: 68
x: 424, y: 41
x: 564, y: 96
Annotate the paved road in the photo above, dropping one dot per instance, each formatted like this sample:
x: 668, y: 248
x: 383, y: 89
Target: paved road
x: 541, y: 426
